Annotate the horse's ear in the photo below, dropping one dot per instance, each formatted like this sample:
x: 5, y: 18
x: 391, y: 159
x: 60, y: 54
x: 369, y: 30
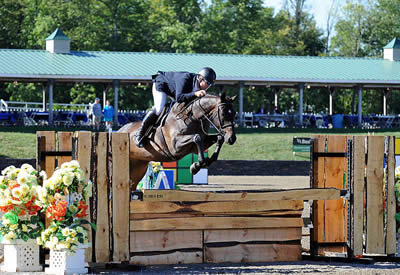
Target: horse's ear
x: 233, y: 98
x: 223, y: 96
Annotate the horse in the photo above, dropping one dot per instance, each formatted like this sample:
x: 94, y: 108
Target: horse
x: 184, y: 131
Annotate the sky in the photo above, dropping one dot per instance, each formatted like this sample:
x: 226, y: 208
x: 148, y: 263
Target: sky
x: 318, y: 8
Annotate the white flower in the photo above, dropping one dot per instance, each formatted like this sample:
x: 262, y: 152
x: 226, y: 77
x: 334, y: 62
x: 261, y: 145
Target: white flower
x: 24, y: 189
x: 39, y: 241
x: 65, y: 231
x: 22, y: 177
x: 50, y: 245
x: 10, y: 236
x: 7, y: 170
x: 16, y: 192
x: 80, y: 175
x: 5, y: 221
x: 68, y: 179
x: 74, y: 164
x: 72, y: 233
x: 27, y: 167
x: 24, y: 228
x: 2, y: 180
x: 43, y: 175
x: 14, y: 226
x: 54, y: 240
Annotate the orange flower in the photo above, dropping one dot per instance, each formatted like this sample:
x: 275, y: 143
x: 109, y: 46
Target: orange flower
x: 12, y: 184
x: 6, y: 208
x: 57, y: 212
x: 82, y: 210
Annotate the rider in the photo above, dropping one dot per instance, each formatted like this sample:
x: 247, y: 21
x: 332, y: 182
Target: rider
x: 182, y: 86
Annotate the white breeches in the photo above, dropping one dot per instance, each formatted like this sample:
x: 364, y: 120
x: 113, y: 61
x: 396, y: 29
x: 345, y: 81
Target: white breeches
x: 160, y: 98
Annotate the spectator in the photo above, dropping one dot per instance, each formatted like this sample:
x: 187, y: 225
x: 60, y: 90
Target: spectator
x: 108, y: 115
x: 97, y: 114
x: 262, y: 110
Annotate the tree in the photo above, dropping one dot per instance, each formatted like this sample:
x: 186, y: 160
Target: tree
x: 330, y: 23
x: 350, y: 30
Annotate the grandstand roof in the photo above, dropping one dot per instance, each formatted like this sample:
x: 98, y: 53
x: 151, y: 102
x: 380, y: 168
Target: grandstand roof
x: 100, y: 66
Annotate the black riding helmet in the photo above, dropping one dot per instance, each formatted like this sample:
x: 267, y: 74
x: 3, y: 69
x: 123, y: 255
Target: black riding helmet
x: 208, y: 75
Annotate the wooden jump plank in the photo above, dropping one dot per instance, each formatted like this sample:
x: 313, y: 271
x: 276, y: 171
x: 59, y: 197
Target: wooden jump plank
x: 146, y: 216
x: 214, y: 207
x: 391, y: 201
x: 359, y: 189
x: 84, y: 159
x: 120, y: 191
x: 64, y: 144
x: 50, y: 146
x: 375, y: 236
x: 177, y: 257
x: 298, y: 194
x: 103, y: 229
x: 146, y: 241
x: 213, y: 223
x: 335, y: 212
x: 252, y: 235
x: 248, y: 253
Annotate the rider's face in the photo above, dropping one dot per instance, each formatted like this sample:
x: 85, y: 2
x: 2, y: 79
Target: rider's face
x: 203, y: 84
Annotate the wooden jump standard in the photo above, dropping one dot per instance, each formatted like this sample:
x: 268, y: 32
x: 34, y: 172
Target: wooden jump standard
x: 363, y: 223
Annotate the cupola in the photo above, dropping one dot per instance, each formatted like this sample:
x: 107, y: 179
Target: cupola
x: 392, y: 50
x: 58, y: 42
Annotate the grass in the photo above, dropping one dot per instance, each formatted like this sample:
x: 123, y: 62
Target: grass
x: 17, y: 145
x: 251, y: 144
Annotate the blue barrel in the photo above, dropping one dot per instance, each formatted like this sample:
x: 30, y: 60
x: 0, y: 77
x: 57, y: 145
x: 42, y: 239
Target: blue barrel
x: 337, y: 121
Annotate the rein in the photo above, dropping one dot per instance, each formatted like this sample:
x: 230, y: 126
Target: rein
x: 210, y: 119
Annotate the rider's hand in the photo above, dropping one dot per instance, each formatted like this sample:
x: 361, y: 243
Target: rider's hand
x: 200, y: 93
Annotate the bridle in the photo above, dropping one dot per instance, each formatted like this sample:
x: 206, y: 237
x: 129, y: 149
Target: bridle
x: 206, y: 116
x: 211, y: 118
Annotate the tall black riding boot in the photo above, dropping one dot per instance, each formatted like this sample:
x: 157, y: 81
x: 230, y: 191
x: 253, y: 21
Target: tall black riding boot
x: 148, y: 121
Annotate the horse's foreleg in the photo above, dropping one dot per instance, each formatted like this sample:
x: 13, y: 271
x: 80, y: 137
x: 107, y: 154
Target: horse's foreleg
x: 214, y: 157
x: 137, y: 171
x: 195, y: 167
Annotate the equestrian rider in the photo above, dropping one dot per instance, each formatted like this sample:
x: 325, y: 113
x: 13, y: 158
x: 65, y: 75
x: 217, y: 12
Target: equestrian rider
x: 182, y: 86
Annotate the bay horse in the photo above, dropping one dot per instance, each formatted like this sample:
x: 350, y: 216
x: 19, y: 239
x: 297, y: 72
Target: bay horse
x: 184, y: 131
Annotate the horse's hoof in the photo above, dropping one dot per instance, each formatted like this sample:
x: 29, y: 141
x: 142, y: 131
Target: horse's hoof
x: 194, y: 169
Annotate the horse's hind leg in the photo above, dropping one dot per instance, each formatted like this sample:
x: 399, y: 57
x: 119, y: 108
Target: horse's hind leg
x: 137, y: 169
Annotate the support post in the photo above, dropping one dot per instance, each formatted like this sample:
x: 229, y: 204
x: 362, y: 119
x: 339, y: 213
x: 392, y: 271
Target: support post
x: 385, y: 94
x: 44, y: 90
x: 301, y: 88
x: 277, y: 91
x: 331, y: 93
x: 50, y: 86
x: 115, y: 87
x: 359, y: 109
x: 241, y: 103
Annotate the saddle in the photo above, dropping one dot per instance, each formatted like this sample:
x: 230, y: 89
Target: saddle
x: 161, y: 119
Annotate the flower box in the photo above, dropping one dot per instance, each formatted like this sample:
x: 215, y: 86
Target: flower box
x: 21, y: 256
x: 63, y: 262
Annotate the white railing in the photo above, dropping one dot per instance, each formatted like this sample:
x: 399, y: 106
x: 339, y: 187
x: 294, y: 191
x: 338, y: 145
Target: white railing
x: 38, y: 106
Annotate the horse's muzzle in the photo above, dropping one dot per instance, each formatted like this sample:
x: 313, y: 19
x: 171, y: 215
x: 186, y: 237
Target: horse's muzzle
x: 230, y: 139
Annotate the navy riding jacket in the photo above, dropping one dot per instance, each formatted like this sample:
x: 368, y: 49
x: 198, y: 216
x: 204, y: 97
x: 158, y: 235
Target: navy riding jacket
x: 178, y: 85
